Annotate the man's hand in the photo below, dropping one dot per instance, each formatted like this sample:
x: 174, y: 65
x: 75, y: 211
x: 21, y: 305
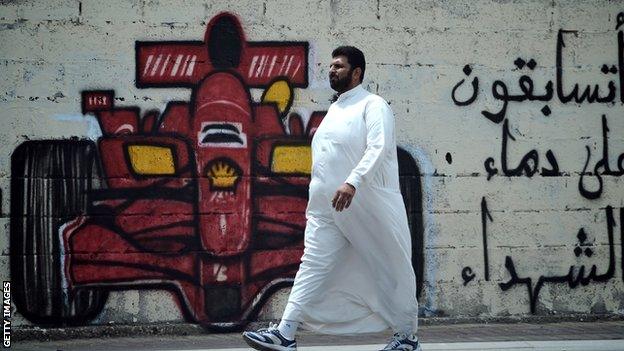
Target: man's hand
x: 343, y: 197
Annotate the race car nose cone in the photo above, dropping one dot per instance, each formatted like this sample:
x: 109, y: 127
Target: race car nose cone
x: 223, y: 89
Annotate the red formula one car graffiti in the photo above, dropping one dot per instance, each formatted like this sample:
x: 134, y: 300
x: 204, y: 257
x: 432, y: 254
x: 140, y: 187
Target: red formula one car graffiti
x: 206, y: 199
x: 186, y: 192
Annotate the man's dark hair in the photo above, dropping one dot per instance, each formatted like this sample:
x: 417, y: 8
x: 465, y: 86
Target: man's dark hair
x: 354, y: 56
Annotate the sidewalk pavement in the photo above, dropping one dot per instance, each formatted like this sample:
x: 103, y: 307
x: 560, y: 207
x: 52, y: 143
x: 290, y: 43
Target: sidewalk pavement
x: 569, y: 336
x: 579, y: 345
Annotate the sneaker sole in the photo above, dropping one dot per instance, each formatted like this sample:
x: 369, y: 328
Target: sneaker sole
x: 417, y: 349
x: 258, y: 345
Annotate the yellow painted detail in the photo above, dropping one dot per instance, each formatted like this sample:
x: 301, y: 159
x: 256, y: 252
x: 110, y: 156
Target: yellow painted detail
x: 279, y: 92
x: 222, y: 175
x: 151, y: 160
x: 292, y: 159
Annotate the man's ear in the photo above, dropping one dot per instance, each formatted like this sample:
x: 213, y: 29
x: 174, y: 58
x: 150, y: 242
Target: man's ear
x: 357, y: 73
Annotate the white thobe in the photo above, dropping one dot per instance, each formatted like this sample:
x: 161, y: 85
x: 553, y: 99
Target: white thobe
x: 356, y: 271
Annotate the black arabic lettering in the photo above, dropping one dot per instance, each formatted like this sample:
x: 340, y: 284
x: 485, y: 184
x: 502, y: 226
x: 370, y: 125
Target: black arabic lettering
x: 526, y: 85
x: 475, y: 89
x: 554, y: 166
x: 589, y: 194
x: 573, y: 279
x: 529, y: 164
x: 490, y: 168
x: 620, y: 21
x: 622, y: 234
x: 587, y: 94
x: 602, y: 164
x: 467, y: 275
x: 503, y: 95
x: 485, y: 215
x: 590, y: 93
x: 501, y: 92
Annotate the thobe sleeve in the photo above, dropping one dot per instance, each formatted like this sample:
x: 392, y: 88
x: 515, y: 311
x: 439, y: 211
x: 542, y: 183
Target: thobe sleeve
x: 379, y: 130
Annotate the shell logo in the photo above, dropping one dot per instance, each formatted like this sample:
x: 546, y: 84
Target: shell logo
x: 223, y: 174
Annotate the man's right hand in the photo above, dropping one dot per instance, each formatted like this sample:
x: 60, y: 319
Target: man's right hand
x: 343, y: 197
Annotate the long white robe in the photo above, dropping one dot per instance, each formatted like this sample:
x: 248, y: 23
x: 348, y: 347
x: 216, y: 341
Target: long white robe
x: 356, y: 273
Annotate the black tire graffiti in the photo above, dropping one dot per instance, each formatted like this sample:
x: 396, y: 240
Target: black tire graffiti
x: 50, y: 185
x: 409, y: 176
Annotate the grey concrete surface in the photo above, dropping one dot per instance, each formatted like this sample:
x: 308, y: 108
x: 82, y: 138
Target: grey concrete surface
x: 607, y: 335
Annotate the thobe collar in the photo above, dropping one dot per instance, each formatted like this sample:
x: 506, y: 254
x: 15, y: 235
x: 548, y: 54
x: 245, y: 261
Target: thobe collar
x: 349, y: 93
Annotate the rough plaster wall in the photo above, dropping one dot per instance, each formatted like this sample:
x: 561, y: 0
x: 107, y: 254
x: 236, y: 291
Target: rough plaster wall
x: 416, y: 52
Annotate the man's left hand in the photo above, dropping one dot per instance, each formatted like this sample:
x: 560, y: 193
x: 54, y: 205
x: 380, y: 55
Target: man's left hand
x: 343, y: 197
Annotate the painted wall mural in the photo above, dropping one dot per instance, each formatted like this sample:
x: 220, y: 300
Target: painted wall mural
x: 205, y: 199
x: 536, y: 163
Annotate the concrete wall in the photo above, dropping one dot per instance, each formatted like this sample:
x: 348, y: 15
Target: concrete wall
x: 512, y: 169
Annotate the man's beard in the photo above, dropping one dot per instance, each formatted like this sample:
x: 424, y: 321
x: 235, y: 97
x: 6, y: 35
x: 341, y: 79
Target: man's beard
x: 340, y: 85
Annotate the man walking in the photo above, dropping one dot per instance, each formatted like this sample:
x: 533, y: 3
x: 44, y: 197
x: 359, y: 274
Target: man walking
x: 356, y: 273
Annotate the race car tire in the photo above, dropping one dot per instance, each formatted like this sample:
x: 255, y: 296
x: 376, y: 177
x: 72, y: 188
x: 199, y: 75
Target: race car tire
x: 50, y: 185
x: 411, y: 189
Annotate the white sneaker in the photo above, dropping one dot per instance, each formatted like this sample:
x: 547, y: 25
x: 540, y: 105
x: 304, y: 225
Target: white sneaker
x: 403, y: 342
x: 268, y: 339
